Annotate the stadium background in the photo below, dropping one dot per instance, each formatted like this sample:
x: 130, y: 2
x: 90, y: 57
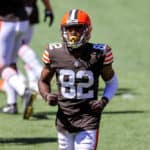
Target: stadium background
x: 124, y: 25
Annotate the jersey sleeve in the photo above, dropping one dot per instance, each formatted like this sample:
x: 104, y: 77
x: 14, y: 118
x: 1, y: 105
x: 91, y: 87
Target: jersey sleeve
x: 46, y: 57
x: 108, y: 56
x: 50, y: 53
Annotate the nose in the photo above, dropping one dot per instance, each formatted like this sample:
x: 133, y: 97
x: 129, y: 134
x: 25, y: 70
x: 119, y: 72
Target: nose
x: 73, y: 30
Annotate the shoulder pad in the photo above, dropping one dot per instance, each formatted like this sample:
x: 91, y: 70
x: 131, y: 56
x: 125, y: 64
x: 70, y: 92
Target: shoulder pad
x: 99, y: 46
x: 102, y: 47
x: 52, y: 46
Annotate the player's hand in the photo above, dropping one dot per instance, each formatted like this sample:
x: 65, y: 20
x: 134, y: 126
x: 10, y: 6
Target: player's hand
x: 50, y: 15
x: 97, y: 106
x: 51, y: 99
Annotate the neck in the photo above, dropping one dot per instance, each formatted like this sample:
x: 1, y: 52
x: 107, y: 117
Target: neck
x: 77, y: 53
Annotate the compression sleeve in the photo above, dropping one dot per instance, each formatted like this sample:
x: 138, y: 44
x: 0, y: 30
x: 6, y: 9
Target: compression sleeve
x: 111, y: 87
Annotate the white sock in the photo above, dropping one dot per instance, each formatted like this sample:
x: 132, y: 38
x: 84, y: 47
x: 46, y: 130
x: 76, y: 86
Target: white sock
x: 22, y: 77
x: 30, y: 73
x: 32, y: 78
x: 11, y: 76
x: 29, y: 57
x: 17, y: 84
x: 10, y: 93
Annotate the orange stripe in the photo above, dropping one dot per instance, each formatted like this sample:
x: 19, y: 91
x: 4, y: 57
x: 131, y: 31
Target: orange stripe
x: 45, y: 56
x: 108, y: 54
x: 45, y: 60
x: 108, y: 59
x: 46, y: 53
x: 1, y: 84
x: 96, y: 142
x: 0, y: 24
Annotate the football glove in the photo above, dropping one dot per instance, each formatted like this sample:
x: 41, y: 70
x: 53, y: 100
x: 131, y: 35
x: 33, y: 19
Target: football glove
x: 98, y: 105
x: 50, y: 15
x: 51, y: 99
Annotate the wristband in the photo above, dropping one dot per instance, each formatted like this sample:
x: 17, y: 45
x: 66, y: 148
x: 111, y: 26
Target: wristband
x: 105, y: 101
x: 105, y: 98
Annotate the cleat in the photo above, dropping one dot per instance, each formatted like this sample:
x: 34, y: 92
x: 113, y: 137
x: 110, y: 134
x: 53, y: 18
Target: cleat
x: 28, y: 99
x: 9, y: 109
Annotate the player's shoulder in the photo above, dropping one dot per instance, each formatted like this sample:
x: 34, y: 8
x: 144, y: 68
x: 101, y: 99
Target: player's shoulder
x: 54, y: 46
x: 103, y: 51
x: 52, y: 50
x: 101, y: 47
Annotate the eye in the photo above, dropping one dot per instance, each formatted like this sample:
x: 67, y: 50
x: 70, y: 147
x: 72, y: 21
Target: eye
x: 77, y: 28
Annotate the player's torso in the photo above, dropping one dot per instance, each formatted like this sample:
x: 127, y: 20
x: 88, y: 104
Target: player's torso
x: 77, y: 79
x: 34, y: 16
x: 12, y: 10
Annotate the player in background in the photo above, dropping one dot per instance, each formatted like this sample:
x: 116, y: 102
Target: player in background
x: 32, y: 64
x: 13, y: 24
x: 26, y: 53
x: 77, y: 65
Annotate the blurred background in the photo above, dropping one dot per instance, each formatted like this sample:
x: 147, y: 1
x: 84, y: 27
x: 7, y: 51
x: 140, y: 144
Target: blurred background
x: 125, y: 26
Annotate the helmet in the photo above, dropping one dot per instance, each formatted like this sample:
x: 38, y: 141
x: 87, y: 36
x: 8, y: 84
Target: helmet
x: 79, y: 19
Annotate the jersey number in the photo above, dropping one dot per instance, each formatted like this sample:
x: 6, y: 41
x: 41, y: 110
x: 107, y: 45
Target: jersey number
x: 76, y: 85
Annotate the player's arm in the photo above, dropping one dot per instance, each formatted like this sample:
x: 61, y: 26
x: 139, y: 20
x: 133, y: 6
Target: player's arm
x: 108, y: 75
x: 46, y: 76
x: 47, y: 5
x: 110, y: 79
x: 44, y: 81
x: 48, y: 11
x: 44, y: 85
x: 111, y: 82
x: 111, y: 85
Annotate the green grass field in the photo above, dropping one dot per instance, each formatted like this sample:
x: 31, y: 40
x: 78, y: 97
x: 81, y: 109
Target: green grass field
x: 123, y: 24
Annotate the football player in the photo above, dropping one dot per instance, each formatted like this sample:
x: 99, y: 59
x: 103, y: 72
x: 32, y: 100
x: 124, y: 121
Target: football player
x: 13, y: 24
x: 77, y: 64
x: 27, y: 54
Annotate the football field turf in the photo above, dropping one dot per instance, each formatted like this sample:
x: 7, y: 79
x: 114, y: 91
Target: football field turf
x: 125, y: 124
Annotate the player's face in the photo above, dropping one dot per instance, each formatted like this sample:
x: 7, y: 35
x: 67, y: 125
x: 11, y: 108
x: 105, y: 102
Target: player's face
x: 74, y: 32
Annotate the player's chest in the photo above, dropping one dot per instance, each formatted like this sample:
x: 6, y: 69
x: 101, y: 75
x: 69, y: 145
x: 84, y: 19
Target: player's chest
x: 70, y: 62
